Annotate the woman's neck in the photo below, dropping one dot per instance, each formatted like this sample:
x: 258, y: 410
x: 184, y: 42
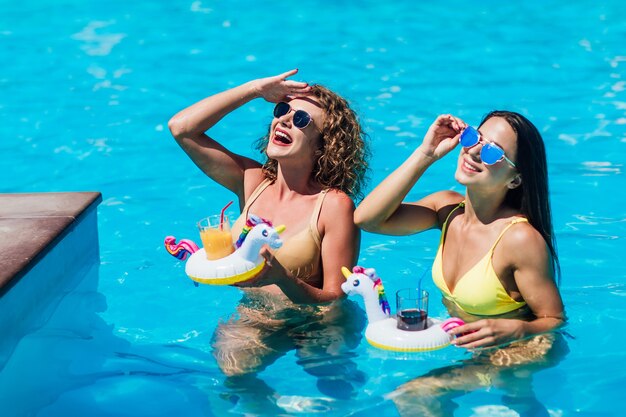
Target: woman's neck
x: 484, y: 207
x: 295, y: 180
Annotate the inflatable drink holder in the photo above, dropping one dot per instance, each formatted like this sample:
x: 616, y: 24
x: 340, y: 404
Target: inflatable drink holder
x: 382, y: 330
x: 241, y: 265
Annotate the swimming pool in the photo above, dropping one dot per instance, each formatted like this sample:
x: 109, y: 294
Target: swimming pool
x: 87, y: 89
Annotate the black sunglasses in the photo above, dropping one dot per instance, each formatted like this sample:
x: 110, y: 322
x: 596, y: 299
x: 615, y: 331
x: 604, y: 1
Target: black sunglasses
x: 301, y: 119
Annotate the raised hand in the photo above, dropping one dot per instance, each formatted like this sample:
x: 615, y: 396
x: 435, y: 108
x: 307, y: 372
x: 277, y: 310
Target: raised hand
x: 442, y: 136
x: 279, y: 88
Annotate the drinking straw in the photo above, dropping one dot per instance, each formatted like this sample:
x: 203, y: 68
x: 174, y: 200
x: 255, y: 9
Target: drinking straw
x: 222, y: 215
x: 419, y: 290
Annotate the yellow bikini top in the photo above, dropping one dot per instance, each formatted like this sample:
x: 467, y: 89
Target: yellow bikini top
x: 301, y: 253
x: 479, y: 291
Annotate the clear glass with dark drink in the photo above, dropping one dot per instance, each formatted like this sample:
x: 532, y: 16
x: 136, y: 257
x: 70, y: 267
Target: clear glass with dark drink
x: 412, y: 309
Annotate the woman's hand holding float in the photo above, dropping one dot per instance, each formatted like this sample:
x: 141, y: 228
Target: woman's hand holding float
x: 297, y: 290
x: 488, y: 333
x: 270, y: 274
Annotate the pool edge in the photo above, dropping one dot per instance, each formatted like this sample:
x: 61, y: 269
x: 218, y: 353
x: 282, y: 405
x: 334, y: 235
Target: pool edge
x: 56, y: 213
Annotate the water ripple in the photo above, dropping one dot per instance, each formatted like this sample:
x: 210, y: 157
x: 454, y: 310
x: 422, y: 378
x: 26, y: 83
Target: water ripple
x: 95, y: 43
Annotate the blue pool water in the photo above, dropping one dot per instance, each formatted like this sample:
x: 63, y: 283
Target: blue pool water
x: 86, y: 89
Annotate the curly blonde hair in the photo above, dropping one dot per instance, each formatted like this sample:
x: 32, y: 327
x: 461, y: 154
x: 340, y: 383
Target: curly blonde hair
x: 342, y: 158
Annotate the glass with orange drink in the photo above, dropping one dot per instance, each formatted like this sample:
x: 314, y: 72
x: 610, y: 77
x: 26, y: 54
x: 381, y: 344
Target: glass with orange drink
x: 216, y: 237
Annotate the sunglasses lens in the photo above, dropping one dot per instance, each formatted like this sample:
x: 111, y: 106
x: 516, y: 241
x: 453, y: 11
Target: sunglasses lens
x: 490, y: 154
x: 301, y: 119
x: 281, y: 109
x: 469, y: 137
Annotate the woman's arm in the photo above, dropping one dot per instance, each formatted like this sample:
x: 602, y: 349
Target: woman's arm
x: 189, y: 127
x: 528, y: 254
x: 382, y: 211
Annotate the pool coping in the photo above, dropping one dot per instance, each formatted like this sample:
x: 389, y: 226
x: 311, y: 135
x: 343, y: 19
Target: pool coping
x: 31, y: 224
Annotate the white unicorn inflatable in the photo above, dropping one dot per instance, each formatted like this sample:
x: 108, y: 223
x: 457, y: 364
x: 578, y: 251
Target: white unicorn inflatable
x: 382, y: 331
x: 241, y: 265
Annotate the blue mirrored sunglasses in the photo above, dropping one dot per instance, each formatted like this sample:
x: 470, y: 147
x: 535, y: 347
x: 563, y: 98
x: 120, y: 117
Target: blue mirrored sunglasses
x: 301, y: 119
x: 490, y: 153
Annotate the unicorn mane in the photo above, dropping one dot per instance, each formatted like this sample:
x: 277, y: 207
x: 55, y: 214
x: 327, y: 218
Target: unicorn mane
x: 250, y: 223
x: 382, y: 298
x: 180, y: 250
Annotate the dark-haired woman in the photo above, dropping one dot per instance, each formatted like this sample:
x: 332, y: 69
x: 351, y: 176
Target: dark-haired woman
x: 497, y: 261
x: 315, y: 164
x: 497, y: 253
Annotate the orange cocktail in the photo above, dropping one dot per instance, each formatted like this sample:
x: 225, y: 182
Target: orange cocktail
x: 216, y: 237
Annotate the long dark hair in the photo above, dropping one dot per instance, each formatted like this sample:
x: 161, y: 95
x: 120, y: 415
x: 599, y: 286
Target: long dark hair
x: 532, y: 197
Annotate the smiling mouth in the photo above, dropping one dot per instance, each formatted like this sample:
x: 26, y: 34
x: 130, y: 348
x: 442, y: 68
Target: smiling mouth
x: 282, y: 137
x: 470, y: 167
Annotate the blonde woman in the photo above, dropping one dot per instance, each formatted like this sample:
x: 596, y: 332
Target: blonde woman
x: 315, y: 164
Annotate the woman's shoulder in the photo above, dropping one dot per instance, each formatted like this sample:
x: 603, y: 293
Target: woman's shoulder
x: 253, y: 178
x: 337, y: 201
x: 337, y: 211
x: 444, y: 202
x: 523, y: 242
x: 521, y: 232
x: 524, y: 250
x: 440, y: 201
x: 447, y: 198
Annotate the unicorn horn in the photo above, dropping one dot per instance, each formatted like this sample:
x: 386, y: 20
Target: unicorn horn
x: 280, y: 229
x: 346, y: 272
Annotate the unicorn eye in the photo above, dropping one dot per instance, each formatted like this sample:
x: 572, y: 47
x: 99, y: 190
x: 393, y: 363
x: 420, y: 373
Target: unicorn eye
x: 356, y: 283
x: 264, y: 233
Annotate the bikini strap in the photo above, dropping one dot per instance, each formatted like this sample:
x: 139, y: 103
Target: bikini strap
x: 445, y: 224
x: 316, y: 215
x: 255, y: 194
x: 508, y: 226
